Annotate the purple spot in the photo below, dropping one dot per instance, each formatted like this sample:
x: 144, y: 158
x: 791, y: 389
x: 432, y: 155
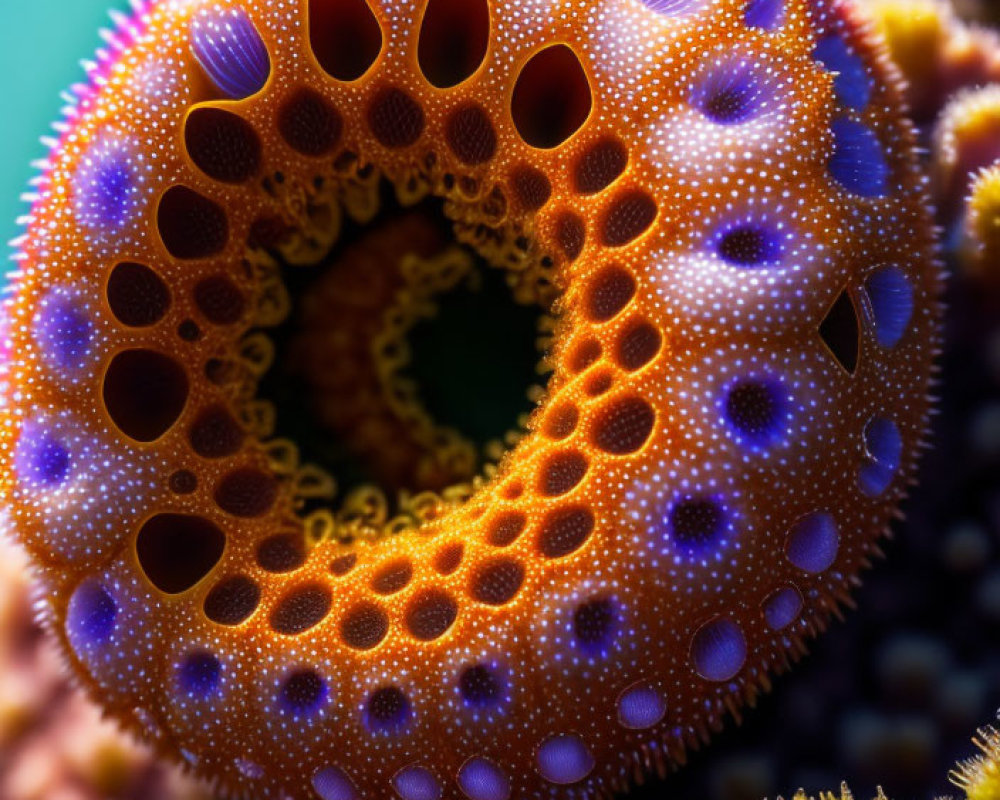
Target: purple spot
x: 481, y: 686
x: 729, y: 94
x: 749, y: 244
x: 719, y: 650
x: 766, y: 14
x: 64, y: 332
x: 757, y: 410
x: 884, y: 448
x: 105, y: 187
x: 641, y: 707
x: 331, y: 783
x: 595, y: 625
x: 564, y: 759
x: 782, y: 608
x: 891, y: 297
x: 697, y: 524
x: 813, y: 542
x: 229, y: 48
x: 858, y: 162
x: 199, y: 675
x: 303, y: 692
x: 672, y: 7
x: 481, y: 779
x: 852, y: 85
x: 416, y: 783
x: 387, y: 710
x: 42, y: 459
x: 90, y: 618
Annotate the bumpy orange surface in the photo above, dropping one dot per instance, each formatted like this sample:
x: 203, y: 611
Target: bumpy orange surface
x: 721, y: 200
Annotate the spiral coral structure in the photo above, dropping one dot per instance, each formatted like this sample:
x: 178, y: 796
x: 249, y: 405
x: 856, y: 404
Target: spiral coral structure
x: 719, y: 201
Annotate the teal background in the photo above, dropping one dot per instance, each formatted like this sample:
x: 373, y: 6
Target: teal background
x: 41, y: 45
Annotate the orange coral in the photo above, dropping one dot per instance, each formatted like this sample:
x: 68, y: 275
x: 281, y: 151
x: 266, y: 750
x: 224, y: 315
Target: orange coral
x: 719, y: 199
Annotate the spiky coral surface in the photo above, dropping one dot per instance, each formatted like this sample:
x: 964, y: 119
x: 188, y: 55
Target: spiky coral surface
x: 724, y: 199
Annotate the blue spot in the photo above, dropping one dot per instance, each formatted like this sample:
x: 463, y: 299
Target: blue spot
x: 332, y: 784
x: 852, y: 85
x: 229, y: 48
x: 891, y: 296
x: 199, y: 674
x: 697, y: 524
x: 595, y: 625
x: 672, y: 7
x: 641, y: 707
x: 782, y: 608
x: 766, y: 14
x: 90, y: 618
x: 483, y: 780
x: 729, y: 95
x: 42, y: 459
x: 105, y: 188
x: 64, y: 332
x: 719, y: 650
x: 303, y: 692
x: 482, y: 686
x: 858, y: 163
x: 749, y: 245
x: 757, y: 410
x: 884, y: 448
x: 564, y: 759
x: 416, y: 783
x: 813, y: 542
x: 387, y: 710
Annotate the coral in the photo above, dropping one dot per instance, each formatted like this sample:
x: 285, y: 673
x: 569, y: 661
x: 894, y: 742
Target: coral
x: 979, y: 776
x: 719, y: 203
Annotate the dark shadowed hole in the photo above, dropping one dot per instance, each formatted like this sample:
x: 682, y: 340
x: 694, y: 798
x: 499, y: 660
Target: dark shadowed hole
x: 301, y: 608
x: 345, y: 37
x: 144, y: 393
x: 215, y: 433
x: 594, y: 624
x: 191, y: 226
x: 222, y: 145
x: 480, y: 686
x: 497, y: 581
x: 176, y: 551
x: 364, y: 626
x: 282, y: 552
x: 454, y: 37
x: 303, y: 692
x: 599, y: 166
x: 551, y: 98
x: 309, y: 124
x: 393, y: 577
x: 232, y: 600
x: 623, y: 425
x: 506, y: 528
x: 387, y: 710
x: 564, y: 531
x: 609, y: 292
x: 430, y: 614
x: 839, y: 332
x: 138, y: 297
x: 395, y: 118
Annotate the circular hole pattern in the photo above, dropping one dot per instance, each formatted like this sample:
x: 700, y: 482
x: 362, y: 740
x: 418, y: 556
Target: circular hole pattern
x: 756, y: 409
x: 505, y: 529
x: 697, y: 522
x: 481, y: 779
x: 564, y: 531
x: 561, y: 421
x: 301, y: 609
x: 598, y: 383
x: 599, y: 166
x: 562, y: 472
x: 395, y: 118
x: 531, y: 187
x: 246, y: 492
x: 470, y: 134
x: 551, y: 98
x: 719, y: 650
x: 629, y: 216
x: 282, y: 552
x: 138, y: 297
x: 183, y: 481
x: 145, y: 393
x: 481, y: 686
x: 564, y: 760
x: 309, y: 124
x: 622, y: 426
x: 222, y: 145
x: 364, y: 626
x: 497, y: 581
x: 342, y: 565
x: 387, y: 710
x: 638, y: 345
x: 430, y: 614
x: 215, y: 434
x: 454, y: 39
x: 393, y: 577
x: 345, y: 37
x: 232, y: 600
x: 595, y: 624
x: 609, y: 292
x: 641, y: 707
x: 189, y: 331
x: 303, y: 692
x: 570, y: 234
x: 749, y: 245
x: 219, y: 300
x: 191, y: 226
x: 448, y: 558
x: 176, y: 551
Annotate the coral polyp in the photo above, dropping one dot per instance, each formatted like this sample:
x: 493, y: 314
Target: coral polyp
x: 716, y: 211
